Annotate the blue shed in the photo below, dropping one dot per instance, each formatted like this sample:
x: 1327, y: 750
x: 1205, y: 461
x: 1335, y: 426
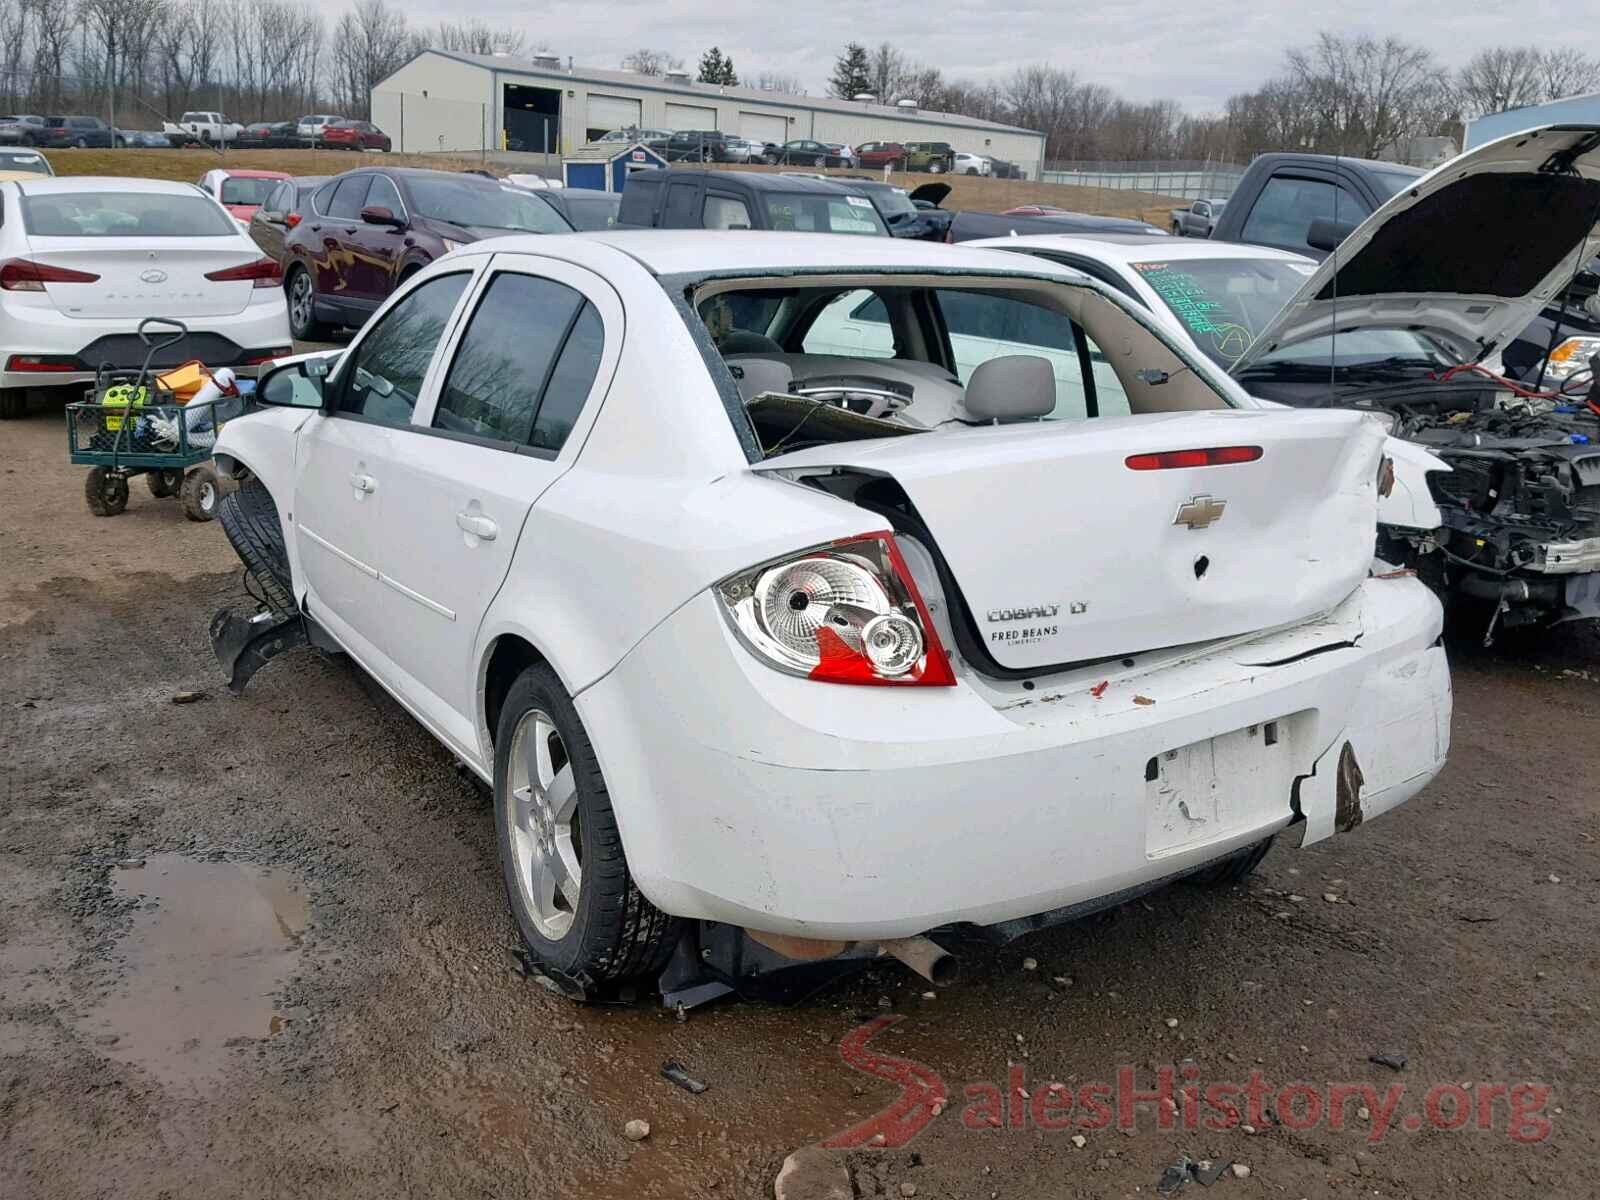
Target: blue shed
x: 605, y: 166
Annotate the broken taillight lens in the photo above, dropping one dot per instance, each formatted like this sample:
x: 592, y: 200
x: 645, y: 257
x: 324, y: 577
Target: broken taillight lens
x: 847, y: 612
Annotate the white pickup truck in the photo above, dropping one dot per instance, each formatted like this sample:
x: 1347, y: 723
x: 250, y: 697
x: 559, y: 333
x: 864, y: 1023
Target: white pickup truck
x: 209, y: 127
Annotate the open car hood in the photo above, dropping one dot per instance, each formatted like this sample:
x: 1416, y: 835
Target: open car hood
x: 933, y: 193
x: 1467, y: 255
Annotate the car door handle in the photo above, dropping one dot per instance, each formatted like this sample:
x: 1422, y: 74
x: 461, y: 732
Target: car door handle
x: 477, y: 524
x: 364, y: 483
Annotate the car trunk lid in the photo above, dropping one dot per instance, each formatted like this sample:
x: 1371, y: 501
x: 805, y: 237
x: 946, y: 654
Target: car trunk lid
x: 1467, y: 255
x: 1065, y: 552
x: 146, y: 277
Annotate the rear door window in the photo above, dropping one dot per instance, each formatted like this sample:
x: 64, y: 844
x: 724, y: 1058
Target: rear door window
x: 383, y: 194
x: 680, y: 211
x: 526, y: 364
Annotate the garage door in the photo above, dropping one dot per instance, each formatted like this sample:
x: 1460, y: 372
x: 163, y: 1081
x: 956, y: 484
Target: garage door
x: 690, y: 116
x: 612, y: 112
x: 762, y: 127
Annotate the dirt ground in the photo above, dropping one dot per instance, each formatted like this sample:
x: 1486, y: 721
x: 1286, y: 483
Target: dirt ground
x: 258, y: 947
x: 984, y: 195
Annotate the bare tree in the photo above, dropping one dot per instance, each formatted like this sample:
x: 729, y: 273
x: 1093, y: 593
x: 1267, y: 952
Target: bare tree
x: 652, y: 62
x: 15, y: 34
x: 779, y: 81
x: 1367, y: 93
x: 476, y: 37
x: 1502, y: 78
x: 371, y: 43
x: 1568, y: 71
x: 54, y: 24
x: 886, y: 73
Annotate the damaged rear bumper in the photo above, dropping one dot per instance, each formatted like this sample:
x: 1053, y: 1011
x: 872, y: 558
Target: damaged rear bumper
x: 770, y: 802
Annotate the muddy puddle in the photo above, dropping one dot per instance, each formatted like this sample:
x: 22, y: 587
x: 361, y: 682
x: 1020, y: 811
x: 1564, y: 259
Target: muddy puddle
x: 210, y: 946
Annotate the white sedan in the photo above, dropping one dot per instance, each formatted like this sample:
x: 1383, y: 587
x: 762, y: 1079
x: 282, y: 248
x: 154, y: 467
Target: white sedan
x: 84, y: 260
x: 972, y: 164
x: 834, y: 651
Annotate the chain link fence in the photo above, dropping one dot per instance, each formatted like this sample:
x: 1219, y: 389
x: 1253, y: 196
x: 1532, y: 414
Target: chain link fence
x: 1184, y: 180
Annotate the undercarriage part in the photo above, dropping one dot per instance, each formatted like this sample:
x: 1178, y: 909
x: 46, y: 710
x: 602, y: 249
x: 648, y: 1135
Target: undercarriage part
x: 1347, y: 792
x: 243, y: 645
x: 928, y: 959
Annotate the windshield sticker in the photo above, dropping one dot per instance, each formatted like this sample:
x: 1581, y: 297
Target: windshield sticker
x: 859, y: 201
x: 1189, y: 301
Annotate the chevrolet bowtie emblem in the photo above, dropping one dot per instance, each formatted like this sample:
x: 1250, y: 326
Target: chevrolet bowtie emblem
x: 1199, y: 512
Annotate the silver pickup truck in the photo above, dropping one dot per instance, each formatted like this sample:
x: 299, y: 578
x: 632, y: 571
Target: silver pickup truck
x: 1198, y: 220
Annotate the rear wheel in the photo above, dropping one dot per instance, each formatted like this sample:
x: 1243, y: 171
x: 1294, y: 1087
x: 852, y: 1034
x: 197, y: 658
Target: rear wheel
x: 1235, y: 869
x: 80, y: 144
x: 250, y: 519
x: 105, y: 491
x: 13, y: 404
x: 303, y: 323
x: 566, y: 876
x: 164, y: 483
x: 199, y: 493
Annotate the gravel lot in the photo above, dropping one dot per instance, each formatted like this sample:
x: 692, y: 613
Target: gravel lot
x: 257, y: 947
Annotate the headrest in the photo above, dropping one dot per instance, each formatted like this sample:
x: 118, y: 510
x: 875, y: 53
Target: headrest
x: 744, y: 341
x: 1011, y: 388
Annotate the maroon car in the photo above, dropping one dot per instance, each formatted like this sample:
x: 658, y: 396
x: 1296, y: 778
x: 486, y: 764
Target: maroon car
x: 881, y: 154
x: 365, y: 231
x: 354, y: 135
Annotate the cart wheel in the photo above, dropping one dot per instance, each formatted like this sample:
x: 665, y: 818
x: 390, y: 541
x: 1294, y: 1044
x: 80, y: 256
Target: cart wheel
x: 106, y: 492
x: 199, y: 493
x: 164, y: 483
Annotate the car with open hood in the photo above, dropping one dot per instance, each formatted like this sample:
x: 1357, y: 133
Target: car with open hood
x: 776, y: 652
x: 1407, y: 319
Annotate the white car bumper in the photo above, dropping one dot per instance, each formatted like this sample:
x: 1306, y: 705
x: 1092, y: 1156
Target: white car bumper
x: 756, y: 798
x: 260, y: 329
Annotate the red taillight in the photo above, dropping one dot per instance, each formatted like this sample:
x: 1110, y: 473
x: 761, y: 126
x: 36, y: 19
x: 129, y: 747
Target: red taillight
x: 292, y: 220
x: 1172, y: 460
x: 25, y: 275
x: 43, y: 364
x: 266, y: 356
x: 848, y: 612
x: 265, y: 272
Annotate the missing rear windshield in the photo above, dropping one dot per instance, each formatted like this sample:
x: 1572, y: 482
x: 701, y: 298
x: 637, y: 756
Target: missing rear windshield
x: 844, y: 359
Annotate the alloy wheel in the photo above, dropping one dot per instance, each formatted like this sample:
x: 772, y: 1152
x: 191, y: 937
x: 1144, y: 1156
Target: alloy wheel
x: 542, y: 819
x: 300, y: 303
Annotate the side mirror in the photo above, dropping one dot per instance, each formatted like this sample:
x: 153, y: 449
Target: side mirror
x: 1326, y: 235
x: 378, y: 215
x: 293, y: 385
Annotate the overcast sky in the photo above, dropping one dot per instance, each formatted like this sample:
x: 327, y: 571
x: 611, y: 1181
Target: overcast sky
x: 1195, y: 53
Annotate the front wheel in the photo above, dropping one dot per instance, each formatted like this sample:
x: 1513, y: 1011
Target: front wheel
x: 1177, y: 230
x: 303, y: 323
x: 80, y: 144
x: 935, y: 168
x: 566, y: 876
x: 122, y: 143
x: 105, y: 491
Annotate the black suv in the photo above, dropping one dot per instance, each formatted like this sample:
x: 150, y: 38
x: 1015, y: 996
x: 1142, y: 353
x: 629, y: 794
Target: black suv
x: 697, y: 145
x: 690, y: 199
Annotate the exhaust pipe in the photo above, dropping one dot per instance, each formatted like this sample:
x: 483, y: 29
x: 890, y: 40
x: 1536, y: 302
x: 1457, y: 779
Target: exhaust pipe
x: 934, y: 963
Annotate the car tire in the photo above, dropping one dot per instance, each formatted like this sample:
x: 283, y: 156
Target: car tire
x: 80, y: 144
x: 163, y: 484
x: 199, y: 493
x: 935, y: 168
x: 972, y: 170
x: 13, y: 404
x: 1236, y: 868
x: 122, y: 143
x: 105, y: 491
x: 301, y: 293
x: 250, y: 519
x: 600, y: 930
x: 1177, y: 230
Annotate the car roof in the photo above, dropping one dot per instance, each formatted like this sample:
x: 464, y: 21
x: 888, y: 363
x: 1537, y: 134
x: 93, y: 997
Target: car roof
x: 63, y: 185
x: 700, y: 251
x: 233, y: 174
x: 1137, y: 247
x: 758, y: 180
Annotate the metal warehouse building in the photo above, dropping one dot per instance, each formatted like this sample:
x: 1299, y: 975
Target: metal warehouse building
x: 442, y: 100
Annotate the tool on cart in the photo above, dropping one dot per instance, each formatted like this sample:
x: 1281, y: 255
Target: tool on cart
x: 159, y: 425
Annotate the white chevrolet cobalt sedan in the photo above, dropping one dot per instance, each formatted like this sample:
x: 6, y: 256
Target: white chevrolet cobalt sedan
x: 84, y: 260
x: 775, y: 651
